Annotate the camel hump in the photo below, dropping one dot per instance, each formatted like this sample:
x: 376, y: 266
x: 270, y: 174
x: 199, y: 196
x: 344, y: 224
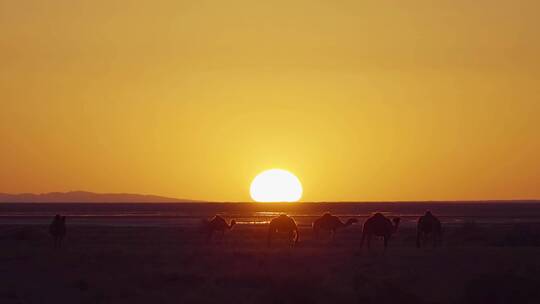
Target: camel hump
x: 429, y: 217
x: 55, y: 227
x: 327, y: 214
x: 283, y: 222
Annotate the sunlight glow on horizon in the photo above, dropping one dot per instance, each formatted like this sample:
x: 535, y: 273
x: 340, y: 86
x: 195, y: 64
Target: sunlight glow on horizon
x: 276, y: 185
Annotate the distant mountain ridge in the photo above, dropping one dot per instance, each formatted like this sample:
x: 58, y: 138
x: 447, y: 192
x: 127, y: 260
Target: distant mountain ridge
x: 87, y: 197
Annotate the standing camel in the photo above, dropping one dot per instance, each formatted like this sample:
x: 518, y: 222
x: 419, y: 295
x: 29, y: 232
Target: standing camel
x: 428, y: 225
x: 331, y: 223
x: 217, y: 223
x: 283, y: 224
x: 57, y: 229
x: 379, y: 225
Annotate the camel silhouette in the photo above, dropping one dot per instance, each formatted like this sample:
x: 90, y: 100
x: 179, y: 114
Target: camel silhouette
x: 217, y: 223
x: 330, y: 223
x: 283, y: 224
x: 428, y: 225
x: 379, y: 225
x: 58, y: 230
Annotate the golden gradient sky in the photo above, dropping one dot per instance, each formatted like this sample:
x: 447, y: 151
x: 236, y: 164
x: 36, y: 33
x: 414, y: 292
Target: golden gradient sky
x: 363, y: 100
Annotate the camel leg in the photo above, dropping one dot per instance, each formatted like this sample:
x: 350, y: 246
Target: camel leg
x: 362, y: 241
x: 369, y: 241
x: 333, y: 231
x: 291, y: 238
x: 385, y: 242
x: 209, y: 236
x: 418, y: 239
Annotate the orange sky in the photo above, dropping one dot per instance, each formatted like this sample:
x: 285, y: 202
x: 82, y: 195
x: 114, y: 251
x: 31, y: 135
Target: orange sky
x: 363, y: 100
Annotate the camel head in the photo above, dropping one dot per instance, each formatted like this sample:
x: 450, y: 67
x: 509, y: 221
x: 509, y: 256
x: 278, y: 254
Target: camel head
x: 204, y: 225
x: 233, y: 222
x: 396, y: 221
x: 351, y: 221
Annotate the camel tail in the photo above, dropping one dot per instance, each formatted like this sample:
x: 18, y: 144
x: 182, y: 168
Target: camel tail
x: 364, y: 234
x: 396, y: 223
x: 439, y: 228
x: 315, y: 229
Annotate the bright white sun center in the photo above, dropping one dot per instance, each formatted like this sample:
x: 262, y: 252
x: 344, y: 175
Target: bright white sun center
x: 276, y: 185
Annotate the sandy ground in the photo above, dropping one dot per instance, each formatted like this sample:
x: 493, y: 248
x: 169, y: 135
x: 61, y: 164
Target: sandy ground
x: 97, y: 264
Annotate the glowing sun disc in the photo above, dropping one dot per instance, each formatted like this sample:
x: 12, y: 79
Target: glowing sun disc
x: 276, y: 185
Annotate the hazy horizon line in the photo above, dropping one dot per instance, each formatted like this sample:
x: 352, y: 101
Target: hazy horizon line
x: 190, y: 200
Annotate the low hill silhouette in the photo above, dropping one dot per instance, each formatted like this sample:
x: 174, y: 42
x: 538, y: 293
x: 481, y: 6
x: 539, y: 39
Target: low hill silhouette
x: 87, y: 197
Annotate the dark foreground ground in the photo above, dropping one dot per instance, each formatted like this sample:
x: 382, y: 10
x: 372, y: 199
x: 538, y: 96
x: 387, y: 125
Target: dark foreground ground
x: 98, y: 264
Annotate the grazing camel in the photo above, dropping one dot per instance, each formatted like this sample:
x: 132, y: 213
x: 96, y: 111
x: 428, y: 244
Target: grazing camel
x: 217, y: 223
x: 428, y: 225
x: 58, y: 230
x: 283, y: 224
x: 379, y: 225
x: 331, y: 223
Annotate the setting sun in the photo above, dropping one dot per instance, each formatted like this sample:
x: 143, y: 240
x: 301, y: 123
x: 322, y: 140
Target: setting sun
x: 276, y: 185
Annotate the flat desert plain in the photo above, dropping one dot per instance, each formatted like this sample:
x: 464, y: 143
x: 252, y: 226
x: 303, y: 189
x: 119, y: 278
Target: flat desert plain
x: 497, y: 263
